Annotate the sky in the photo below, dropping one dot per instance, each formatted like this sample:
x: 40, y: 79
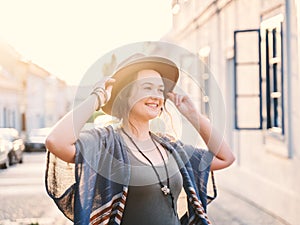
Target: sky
x: 66, y: 37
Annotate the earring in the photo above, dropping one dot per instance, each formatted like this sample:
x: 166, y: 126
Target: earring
x: 161, y: 111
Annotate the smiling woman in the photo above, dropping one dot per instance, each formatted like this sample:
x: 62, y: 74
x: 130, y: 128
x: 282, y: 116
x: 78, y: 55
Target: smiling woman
x: 131, y: 165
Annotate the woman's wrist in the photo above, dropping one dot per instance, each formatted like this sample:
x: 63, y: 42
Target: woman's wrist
x: 101, y: 97
x: 193, y: 117
x: 95, y: 101
x: 198, y: 120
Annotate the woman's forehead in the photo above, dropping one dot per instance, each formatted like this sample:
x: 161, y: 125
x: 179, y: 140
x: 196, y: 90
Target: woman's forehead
x: 149, y: 76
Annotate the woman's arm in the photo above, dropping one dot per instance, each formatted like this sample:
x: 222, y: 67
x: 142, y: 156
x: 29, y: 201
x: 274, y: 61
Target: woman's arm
x: 62, y: 138
x: 216, y: 144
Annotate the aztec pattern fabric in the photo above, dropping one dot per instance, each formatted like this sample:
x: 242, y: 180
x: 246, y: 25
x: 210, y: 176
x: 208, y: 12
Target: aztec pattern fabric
x: 94, y: 190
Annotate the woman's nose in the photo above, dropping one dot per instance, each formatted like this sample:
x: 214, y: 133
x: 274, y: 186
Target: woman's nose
x: 157, y: 94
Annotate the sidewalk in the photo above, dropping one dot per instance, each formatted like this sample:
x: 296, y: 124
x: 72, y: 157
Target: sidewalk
x: 230, y: 209
x: 226, y: 209
x: 51, y: 217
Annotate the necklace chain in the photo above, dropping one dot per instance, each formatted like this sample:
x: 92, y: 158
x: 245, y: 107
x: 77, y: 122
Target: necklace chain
x: 164, y: 188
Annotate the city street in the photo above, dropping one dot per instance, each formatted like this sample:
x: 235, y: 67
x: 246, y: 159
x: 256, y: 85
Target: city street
x: 24, y: 200
x: 23, y: 195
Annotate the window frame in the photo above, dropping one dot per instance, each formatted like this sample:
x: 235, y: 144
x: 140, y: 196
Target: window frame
x: 271, y: 31
x: 204, y: 56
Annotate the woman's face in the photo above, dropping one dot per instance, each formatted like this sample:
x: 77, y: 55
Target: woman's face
x: 147, y: 95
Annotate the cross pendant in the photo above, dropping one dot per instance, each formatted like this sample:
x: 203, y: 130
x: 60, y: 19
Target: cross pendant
x: 165, y: 190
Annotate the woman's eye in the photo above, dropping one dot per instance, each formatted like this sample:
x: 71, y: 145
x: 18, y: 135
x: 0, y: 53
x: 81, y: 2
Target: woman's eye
x: 147, y: 88
x: 161, y: 90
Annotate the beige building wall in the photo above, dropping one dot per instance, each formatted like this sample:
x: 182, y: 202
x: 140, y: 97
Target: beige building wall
x: 267, y: 165
x: 30, y: 97
x: 10, y: 100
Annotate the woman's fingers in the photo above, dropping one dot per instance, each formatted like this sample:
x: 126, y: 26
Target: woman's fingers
x: 104, y: 83
x: 108, y: 86
x: 171, y: 96
x: 180, y: 99
x: 183, y: 103
x: 105, y: 87
x: 175, y: 98
x: 109, y: 82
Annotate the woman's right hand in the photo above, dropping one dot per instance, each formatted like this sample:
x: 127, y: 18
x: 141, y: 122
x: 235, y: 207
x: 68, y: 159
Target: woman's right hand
x: 104, y: 90
x: 109, y: 86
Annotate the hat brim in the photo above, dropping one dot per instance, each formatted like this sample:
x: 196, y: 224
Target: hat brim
x: 165, y: 67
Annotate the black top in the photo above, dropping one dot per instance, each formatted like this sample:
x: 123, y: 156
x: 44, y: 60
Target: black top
x: 146, y: 203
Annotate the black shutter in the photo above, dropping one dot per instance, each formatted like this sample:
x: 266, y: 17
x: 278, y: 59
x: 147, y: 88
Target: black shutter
x: 247, y: 80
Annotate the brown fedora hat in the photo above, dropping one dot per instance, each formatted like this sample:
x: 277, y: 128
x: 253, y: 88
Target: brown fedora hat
x: 165, y: 67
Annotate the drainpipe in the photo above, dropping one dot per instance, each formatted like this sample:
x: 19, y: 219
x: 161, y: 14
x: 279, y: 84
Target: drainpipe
x: 289, y: 78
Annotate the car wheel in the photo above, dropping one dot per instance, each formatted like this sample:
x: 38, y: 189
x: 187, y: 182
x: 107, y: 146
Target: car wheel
x: 6, y: 164
x: 11, y: 160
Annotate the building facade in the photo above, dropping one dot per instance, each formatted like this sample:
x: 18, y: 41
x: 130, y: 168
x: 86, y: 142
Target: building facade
x: 251, y: 51
x: 10, y: 100
x: 30, y: 97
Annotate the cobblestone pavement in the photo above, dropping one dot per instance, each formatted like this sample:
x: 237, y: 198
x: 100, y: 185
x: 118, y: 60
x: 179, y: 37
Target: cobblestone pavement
x: 230, y: 209
x: 24, y: 201
x: 23, y: 198
x: 31, y: 210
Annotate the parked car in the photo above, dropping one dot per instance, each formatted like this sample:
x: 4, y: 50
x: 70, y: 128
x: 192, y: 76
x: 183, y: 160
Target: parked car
x: 5, y: 147
x: 16, y: 144
x: 36, y: 139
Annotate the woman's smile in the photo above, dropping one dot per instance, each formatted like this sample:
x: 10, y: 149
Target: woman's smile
x: 152, y: 105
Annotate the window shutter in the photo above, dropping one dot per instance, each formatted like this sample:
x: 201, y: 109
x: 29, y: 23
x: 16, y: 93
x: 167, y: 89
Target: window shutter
x: 247, y: 80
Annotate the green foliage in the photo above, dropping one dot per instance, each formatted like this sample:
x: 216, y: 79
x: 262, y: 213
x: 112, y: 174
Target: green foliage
x: 94, y: 116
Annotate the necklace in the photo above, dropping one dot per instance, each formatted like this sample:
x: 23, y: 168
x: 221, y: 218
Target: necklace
x: 164, y: 188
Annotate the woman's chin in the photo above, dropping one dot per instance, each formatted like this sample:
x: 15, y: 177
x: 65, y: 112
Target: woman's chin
x: 152, y: 115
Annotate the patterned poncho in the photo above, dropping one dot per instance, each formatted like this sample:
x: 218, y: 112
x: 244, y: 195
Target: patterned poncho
x: 94, y: 189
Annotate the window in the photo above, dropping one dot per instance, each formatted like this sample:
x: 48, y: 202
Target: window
x: 272, y: 73
x: 4, y: 117
x: 204, y: 54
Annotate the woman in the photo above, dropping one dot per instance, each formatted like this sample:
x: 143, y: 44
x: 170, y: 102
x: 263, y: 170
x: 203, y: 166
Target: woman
x: 130, y: 175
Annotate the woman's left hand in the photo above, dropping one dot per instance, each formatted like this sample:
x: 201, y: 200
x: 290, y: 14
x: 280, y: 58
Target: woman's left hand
x: 216, y: 143
x: 183, y: 103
